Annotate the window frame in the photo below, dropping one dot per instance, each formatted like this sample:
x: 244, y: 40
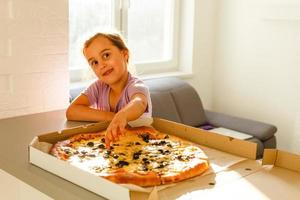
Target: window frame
x: 146, y: 69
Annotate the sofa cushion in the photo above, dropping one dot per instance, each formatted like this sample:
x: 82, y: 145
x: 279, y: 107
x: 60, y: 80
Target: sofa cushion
x: 163, y: 106
x: 188, y: 105
x: 260, y: 130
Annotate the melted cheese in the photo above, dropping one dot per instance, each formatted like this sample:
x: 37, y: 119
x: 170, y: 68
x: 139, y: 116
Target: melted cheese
x: 164, y: 156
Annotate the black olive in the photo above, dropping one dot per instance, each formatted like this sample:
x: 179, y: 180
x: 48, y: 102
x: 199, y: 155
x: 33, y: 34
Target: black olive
x: 144, y: 168
x: 122, y: 163
x: 101, y: 146
x: 161, y: 151
x: 136, y: 155
x: 166, y: 152
x: 146, y: 161
x: 160, y: 166
x: 115, y: 156
x: 180, y: 157
x: 145, y: 137
x: 67, y: 151
x: 137, y: 143
x: 105, y: 155
x: 90, y: 144
x: 103, y: 140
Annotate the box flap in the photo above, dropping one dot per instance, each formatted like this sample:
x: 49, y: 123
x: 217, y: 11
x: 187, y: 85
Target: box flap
x: 224, y: 143
x: 281, y: 159
x: 66, y: 133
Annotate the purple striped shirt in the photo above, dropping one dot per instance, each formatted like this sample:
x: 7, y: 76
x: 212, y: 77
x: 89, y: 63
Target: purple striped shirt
x: 98, y: 95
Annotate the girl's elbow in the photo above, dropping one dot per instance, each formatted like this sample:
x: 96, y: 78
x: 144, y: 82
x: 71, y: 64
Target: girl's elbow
x: 69, y: 112
x: 144, y: 105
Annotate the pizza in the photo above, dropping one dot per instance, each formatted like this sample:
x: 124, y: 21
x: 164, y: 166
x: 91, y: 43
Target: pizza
x: 143, y: 156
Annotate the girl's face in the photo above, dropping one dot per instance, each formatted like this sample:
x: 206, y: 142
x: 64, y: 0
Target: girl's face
x: 107, y: 61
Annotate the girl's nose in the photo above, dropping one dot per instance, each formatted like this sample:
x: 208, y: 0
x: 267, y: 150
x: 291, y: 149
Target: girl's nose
x: 102, y: 65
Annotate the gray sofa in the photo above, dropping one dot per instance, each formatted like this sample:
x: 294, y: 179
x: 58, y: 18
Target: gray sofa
x: 176, y: 100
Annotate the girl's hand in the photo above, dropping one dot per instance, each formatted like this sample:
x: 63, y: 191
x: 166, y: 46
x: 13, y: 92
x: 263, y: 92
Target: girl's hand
x: 115, y: 128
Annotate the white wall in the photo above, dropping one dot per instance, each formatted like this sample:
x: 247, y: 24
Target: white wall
x: 257, y: 64
x: 33, y: 56
x: 204, y: 47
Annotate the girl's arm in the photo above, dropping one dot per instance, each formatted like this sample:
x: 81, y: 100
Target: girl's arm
x: 79, y: 110
x: 133, y: 110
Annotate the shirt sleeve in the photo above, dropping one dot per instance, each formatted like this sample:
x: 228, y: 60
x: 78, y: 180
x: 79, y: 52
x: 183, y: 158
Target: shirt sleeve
x: 138, y: 86
x: 92, y: 93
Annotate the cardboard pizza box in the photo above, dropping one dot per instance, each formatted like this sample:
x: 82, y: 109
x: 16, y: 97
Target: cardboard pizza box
x: 276, y: 176
x: 38, y: 155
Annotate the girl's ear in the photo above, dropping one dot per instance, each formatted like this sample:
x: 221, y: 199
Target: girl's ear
x: 126, y: 55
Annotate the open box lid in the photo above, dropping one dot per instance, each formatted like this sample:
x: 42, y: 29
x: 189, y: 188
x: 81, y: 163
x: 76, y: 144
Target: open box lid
x: 281, y: 159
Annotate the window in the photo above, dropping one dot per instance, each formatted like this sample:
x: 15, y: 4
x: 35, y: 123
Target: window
x: 150, y: 28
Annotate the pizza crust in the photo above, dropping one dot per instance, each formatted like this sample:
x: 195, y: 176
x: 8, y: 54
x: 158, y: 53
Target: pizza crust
x: 192, y: 171
x: 125, y: 177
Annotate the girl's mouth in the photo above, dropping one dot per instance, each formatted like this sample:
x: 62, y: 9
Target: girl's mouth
x: 107, y: 72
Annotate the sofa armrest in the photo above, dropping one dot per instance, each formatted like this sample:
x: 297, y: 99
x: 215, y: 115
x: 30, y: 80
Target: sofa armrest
x: 257, y: 129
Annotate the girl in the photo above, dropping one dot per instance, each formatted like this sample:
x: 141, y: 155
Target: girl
x: 116, y: 96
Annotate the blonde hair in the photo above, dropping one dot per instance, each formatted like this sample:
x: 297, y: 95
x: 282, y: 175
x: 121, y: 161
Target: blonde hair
x: 115, y: 38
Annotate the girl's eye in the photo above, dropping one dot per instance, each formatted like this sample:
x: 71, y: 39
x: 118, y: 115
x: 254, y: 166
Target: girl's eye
x: 94, y: 63
x: 105, y: 56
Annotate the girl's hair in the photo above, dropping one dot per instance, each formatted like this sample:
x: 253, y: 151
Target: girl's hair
x: 115, y: 38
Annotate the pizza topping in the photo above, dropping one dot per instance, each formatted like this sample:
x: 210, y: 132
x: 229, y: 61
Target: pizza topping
x: 167, y: 137
x: 90, y: 144
x: 159, y: 143
x: 180, y: 157
x: 83, y: 152
x: 145, y: 160
x: 67, y: 151
x: 107, y: 153
x: 136, y: 155
x: 137, y: 143
x: 122, y: 163
x: 145, y: 137
x: 161, y: 151
x: 144, y: 168
x: 115, y: 156
x: 103, y: 140
x: 101, y: 146
x: 129, y: 144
